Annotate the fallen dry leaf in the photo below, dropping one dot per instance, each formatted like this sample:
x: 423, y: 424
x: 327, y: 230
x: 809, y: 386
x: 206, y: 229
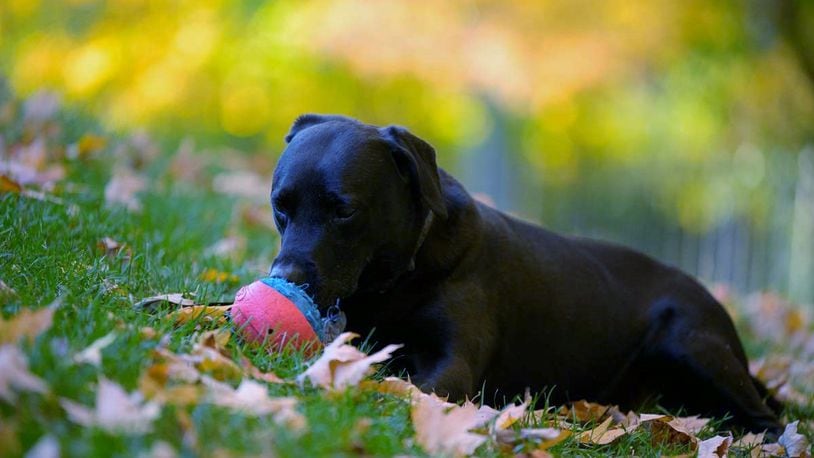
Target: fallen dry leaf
x: 509, y: 415
x: 115, y: 411
x: 690, y: 426
x: 9, y: 185
x: 172, y: 298
x: 444, y: 430
x: 252, y: 398
x: 111, y: 248
x: 795, y: 444
x: 27, y: 324
x: 602, y: 434
x: 584, y: 411
x: 206, y: 313
x: 15, y: 376
x: 395, y: 386
x: 154, y: 383
x: 93, y: 354
x: 123, y: 187
x: 749, y: 441
x: 210, y: 356
x: 714, y: 447
x: 342, y: 365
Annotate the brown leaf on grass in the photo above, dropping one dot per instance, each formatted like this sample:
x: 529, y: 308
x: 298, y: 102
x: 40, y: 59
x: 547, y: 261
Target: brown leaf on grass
x: 605, y: 434
x: 154, y: 382
x: 252, y: 398
x: 9, y: 185
x: 15, y: 376
x: 584, y: 411
x: 749, y: 441
x: 794, y: 443
x: 93, y: 353
x: 690, y: 426
x: 123, y: 187
x: 714, y: 447
x: 395, y: 386
x: 111, y: 248
x: 602, y: 434
x: 342, y: 365
x: 444, y: 430
x: 207, y: 313
x: 27, y: 324
x: 115, y: 410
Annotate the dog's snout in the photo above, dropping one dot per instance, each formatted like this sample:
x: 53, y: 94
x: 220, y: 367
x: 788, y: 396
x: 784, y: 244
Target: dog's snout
x: 291, y: 272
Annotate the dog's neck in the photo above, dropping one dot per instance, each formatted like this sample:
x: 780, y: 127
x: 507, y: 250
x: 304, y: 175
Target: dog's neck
x: 448, y: 240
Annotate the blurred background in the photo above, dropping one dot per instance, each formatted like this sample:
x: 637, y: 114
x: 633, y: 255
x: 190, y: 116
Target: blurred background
x: 684, y: 129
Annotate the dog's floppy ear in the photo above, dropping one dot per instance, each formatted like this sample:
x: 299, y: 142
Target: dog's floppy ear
x: 415, y: 159
x: 307, y: 120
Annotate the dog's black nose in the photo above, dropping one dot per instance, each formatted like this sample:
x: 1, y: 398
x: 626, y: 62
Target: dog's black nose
x: 291, y: 272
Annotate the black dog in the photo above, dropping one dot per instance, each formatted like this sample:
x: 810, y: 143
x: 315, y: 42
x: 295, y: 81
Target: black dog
x: 481, y: 300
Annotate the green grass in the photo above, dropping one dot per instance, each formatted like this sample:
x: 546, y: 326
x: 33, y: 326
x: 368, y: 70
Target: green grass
x: 48, y: 253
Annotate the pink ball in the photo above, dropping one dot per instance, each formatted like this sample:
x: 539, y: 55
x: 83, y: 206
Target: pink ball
x: 262, y: 315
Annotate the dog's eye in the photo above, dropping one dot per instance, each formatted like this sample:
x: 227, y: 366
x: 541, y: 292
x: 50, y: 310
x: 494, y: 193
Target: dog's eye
x: 344, y: 212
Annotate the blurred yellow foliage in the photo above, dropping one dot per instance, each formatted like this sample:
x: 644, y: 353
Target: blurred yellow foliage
x: 666, y: 86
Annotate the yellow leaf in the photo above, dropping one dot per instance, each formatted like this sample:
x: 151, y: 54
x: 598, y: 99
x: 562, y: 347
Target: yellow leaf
x: 206, y: 313
x: 90, y: 143
x: 216, y: 276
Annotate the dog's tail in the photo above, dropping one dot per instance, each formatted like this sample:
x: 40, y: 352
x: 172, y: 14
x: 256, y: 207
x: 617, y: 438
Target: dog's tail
x: 772, y: 402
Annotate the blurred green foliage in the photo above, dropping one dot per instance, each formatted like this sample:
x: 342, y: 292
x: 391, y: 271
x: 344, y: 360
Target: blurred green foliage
x: 694, y: 111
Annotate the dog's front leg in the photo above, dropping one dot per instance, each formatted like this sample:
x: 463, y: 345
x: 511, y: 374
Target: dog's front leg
x: 450, y: 376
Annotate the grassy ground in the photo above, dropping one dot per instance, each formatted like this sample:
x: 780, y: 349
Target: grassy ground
x: 50, y: 253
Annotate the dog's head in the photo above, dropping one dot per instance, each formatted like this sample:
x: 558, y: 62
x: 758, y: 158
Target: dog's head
x: 351, y: 202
